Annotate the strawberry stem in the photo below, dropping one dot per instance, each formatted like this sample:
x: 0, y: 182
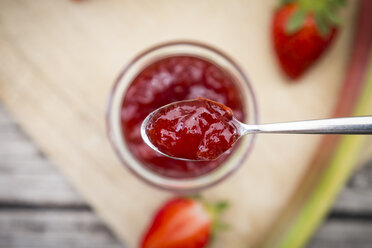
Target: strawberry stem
x: 215, y: 210
x: 325, y: 13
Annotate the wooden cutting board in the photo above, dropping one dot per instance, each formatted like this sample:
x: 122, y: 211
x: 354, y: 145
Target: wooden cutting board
x: 58, y: 62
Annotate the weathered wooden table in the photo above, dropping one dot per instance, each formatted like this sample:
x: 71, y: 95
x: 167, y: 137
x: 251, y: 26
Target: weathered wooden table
x: 39, y: 208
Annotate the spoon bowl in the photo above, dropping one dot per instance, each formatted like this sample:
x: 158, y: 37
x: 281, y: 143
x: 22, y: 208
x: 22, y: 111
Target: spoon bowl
x: 146, y: 139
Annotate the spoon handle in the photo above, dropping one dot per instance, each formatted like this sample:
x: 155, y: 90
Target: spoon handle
x: 348, y: 125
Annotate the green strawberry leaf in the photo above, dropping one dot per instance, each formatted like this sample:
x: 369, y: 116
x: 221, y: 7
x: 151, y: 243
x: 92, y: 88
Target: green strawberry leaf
x: 296, y: 21
x: 325, y: 13
x: 195, y: 197
x: 284, y: 2
x: 220, y: 226
x: 340, y: 2
x: 215, y: 211
x: 322, y: 24
x: 332, y: 17
x: 221, y: 206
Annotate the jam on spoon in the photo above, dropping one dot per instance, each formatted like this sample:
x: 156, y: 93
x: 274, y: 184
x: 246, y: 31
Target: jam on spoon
x: 199, y: 129
x: 202, y: 129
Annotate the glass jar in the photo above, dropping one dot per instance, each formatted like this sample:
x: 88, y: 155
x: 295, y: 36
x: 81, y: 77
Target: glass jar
x: 239, y: 154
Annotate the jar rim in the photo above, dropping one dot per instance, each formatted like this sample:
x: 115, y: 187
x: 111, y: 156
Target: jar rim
x: 125, y: 78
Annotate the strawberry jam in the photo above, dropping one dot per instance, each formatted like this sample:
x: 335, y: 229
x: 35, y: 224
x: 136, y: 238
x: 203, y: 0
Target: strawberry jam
x: 169, y: 80
x: 199, y: 129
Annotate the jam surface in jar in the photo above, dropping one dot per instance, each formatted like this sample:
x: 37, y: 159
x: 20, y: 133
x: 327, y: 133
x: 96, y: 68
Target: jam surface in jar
x: 198, y: 129
x: 169, y: 80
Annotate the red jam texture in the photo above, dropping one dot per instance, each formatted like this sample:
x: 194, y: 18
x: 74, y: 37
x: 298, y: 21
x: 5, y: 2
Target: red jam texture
x: 198, y: 129
x: 169, y: 80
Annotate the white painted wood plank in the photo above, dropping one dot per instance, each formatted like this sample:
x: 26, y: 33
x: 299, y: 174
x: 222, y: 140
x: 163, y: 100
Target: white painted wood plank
x: 343, y: 234
x: 4, y: 117
x: 46, y: 229
x: 356, y: 197
x: 49, y: 189
x: 26, y: 176
x: 354, y: 200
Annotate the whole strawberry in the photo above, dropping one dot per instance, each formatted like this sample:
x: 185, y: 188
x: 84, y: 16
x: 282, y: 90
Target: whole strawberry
x: 302, y: 30
x: 183, y: 223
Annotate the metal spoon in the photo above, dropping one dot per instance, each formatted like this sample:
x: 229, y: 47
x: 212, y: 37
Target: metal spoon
x: 347, y: 125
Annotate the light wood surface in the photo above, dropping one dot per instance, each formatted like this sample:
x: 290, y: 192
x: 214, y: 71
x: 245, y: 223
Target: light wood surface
x: 57, y: 66
x: 40, y: 209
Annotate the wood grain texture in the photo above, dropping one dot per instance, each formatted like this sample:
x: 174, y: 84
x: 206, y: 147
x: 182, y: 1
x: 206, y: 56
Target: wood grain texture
x: 59, y: 59
x: 357, y: 196
x: 341, y: 233
x: 59, y: 229
x: 26, y: 175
